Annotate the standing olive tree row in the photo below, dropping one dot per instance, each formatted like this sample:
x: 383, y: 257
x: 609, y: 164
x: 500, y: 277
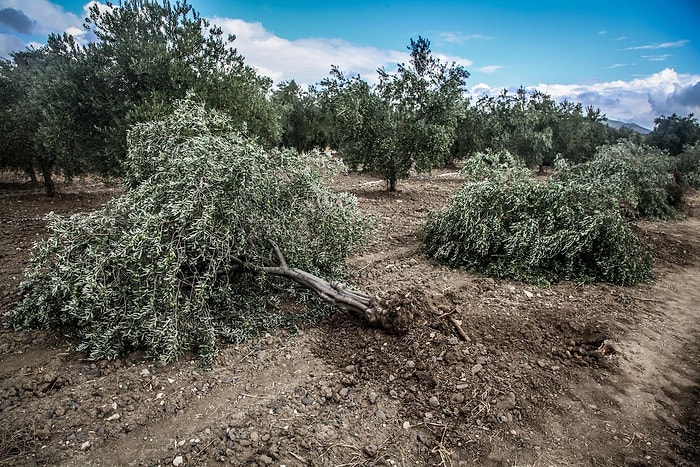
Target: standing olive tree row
x: 407, y: 121
x: 70, y: 106
x: 419, y: 118
x: 533, y: 127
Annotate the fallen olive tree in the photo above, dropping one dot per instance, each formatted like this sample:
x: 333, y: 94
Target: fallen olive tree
x: 192, y: 252
x: 635, y: 176
x: 503, y: 222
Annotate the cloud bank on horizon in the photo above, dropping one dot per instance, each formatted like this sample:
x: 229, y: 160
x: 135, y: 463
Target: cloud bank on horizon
x: 308, y: 60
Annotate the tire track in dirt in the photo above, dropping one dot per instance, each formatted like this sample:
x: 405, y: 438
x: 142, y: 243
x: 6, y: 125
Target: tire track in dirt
x: 248, y: 396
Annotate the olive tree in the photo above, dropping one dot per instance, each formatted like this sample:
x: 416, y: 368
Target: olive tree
x: 425, y: 96
x: 674, y: 132
x: 42, y: 125
x: 150, y: 53
x: 211, y: 240
x: 517, y: 123
x: 363, y: 126
x: 687, y: 166
x: 304, y: 125
x: 406, y: 122
x: 16, y: 150
x: 578, y: 132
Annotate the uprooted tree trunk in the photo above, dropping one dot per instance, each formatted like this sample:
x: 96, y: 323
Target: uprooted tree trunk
x: 340, y: 296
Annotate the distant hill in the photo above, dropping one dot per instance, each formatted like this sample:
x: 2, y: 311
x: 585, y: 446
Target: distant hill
x: 632, y: 126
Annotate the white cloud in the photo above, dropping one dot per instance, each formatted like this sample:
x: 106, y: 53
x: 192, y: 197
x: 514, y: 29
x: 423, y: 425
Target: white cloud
x: 481, y: 89
x: 48, y: 17
x: 616, y: 65
x: 662, y: 45
x: 8, y: 44
x: 458, y: 37
x: 639, y: 100
x: 309, y: 60
x: 656, y: 58
x: 683, y: 99
x: 465, y: 62
x: 490, y: 68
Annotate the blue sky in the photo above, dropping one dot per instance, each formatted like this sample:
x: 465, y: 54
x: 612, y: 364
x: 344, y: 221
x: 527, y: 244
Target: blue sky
x: 633, y: 59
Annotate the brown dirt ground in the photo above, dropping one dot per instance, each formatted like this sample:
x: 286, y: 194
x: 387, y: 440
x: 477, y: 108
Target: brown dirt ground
x: 563, y: 375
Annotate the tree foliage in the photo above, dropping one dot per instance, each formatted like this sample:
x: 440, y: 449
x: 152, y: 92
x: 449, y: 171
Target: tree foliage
x: 407, y: 121
x: 636, y: 176
x: 150, y: 53
x: 425, y: 97
x: 510, y: 225
x: 17, y: 151
x: 164, y: 267
x: 533, y: 127
x: 363, y: 126
x: 41, y: 127
x: 578, y: 132
x: 687, y: 165
x: 673, y: 133
x: 513, y: 123
x: 304, y: 124
x: 73, y: 105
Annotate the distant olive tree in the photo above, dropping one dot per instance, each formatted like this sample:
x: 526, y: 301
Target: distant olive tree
x: 687, y: 166
x: 673, y: 133
x: 512, y: 122
x: 304, y: 124
x: 407, y: 121
x: 578, y: 132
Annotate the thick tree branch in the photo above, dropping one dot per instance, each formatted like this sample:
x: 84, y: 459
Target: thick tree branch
x: 339, y: 295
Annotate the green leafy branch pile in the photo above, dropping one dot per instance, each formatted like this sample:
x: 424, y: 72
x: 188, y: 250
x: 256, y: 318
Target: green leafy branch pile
x: 688, y: 165
x: 508, y: 224
x: 636, y: 176
x: 161, y: 268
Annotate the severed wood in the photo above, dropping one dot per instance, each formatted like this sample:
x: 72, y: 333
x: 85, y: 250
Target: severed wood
x: 459, y: 328
x: 339, y: 295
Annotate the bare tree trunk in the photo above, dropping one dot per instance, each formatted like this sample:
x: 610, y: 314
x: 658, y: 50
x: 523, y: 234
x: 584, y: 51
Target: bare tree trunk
x: 46, y: 171
x: 340, y: 296
x: 29, y: 170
